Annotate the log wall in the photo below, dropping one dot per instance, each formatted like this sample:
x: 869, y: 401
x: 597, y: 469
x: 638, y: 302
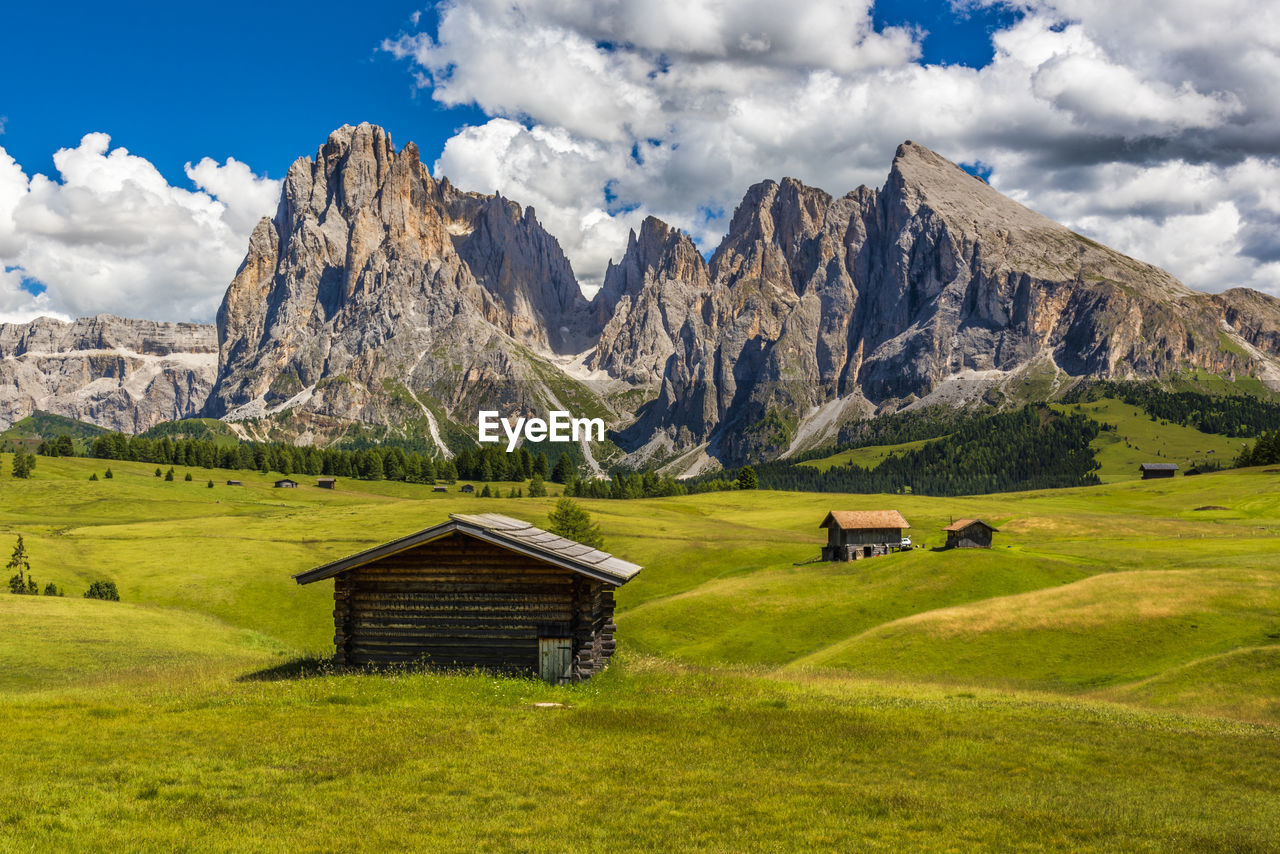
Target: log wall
x: 461, y: 602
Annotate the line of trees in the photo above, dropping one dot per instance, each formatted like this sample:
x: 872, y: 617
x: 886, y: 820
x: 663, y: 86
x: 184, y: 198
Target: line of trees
x: 1264, y: 452
x: 1029, y: 448
x: 490, y: 463
x: 1241, y: 415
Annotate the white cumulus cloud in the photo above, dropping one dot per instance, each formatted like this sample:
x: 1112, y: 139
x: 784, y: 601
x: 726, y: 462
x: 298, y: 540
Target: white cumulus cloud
x: 110, y: 234
x: 1133, y: 122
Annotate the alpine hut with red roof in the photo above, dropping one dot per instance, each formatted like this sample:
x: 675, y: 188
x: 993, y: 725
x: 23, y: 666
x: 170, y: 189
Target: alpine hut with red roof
x: 856, y: 534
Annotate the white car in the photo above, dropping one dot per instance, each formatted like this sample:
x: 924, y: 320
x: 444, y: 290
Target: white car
x: 905, y: 544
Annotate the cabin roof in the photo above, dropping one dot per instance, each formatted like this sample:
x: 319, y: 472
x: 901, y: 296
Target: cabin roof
x: 503, y: 531
x: 852, y: 519
x: 1159, y: 466
x: 961, y: 524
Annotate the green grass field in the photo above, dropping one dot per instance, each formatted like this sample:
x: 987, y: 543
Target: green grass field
x: 1106, y: 678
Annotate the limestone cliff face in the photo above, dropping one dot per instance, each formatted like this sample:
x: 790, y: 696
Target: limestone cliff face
x: 885, y: 297
x: 377, y: 293
x: 121, y: 374
x: 381, y: 296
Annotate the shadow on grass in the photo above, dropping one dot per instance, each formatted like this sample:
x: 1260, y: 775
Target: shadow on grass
x: 310, y: 667
x: 306, y: 667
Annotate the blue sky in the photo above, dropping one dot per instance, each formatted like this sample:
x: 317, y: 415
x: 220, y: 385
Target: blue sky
x: 1149, y: 125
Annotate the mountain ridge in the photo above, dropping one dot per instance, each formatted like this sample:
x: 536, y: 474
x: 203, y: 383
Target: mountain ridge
x: 378, y: 298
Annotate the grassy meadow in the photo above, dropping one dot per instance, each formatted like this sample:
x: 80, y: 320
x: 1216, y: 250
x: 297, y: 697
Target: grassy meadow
x: 1107, y: 678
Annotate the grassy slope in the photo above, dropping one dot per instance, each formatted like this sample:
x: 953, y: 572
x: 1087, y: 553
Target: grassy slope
x: 1136, y: 440
x: 880, y: 696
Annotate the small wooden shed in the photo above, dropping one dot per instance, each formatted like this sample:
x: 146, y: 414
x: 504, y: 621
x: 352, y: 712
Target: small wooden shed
x: 481, y: 590
x: 466, y: 487
x: 857, y: 534
x: 969, y: 534
x: 286, y: 483
x: 327, y: 482
x: 439, y: 488
x: 234, y: 483
x: 1153, y: 470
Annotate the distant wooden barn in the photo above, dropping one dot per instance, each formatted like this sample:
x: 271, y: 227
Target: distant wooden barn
x: 969, y: 534
x: 466, y: 487
x: 857, y: 534
x: 1154, y: 470
x: 234, y: 483
x: 327, y: 482
x: 439, y: 488
x: 478, y: 591
x: 286, y: 483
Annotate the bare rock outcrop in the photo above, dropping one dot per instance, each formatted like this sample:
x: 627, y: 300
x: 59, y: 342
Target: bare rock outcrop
x: 377, y: 294
x: 126, y: 375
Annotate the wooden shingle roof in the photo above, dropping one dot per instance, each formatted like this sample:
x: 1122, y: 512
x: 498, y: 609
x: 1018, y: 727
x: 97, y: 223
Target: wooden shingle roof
x: 856, y: 519
x: 961, y: 524
x: 503, y: 531
x: 1158, y: 466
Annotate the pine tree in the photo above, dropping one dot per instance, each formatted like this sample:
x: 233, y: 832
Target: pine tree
x: 564, y: 470
x: 485, y: 493
x: 537, y: 486
x: 168, y: 476
x: 23, y: 462
x: 108, y: 475
x: 747, y: 478
x: 21, y: 580
x: 211, y: 484
x: 570, y: 521
x: 188, y: 477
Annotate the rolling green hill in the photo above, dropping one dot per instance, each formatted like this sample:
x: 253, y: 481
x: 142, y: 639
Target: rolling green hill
x: 1084, y: 685
x: 1135, y: 439
x: 34, y: 429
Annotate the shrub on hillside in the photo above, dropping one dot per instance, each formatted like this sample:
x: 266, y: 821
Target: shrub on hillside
x: 573, y: 523
x: 105, y: 590
x: 93, y: 476
x: 108, y: 474
x: 52, y: 589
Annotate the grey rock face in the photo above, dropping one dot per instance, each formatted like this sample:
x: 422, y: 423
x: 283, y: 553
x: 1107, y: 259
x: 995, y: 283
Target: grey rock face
x: 883, y: 296
x: 377, y: 292
x: 121, y: 374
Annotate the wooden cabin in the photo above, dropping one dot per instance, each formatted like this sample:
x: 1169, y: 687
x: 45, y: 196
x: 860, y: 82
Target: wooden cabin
x: 1154, y: 470
x: 969, y: 534
x: 439, y: 488
x: 327, y: 482
x: 479, y: 590
x: 466, y: 487
x: 234, y: 483
x: 857, y: 534
x: 286, y: 483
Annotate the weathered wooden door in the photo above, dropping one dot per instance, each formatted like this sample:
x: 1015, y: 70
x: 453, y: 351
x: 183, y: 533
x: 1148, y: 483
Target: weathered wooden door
x: 555, y: 657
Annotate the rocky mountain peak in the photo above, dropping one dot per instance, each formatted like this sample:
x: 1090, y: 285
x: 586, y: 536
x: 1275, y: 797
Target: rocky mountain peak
x: 659, y: 252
